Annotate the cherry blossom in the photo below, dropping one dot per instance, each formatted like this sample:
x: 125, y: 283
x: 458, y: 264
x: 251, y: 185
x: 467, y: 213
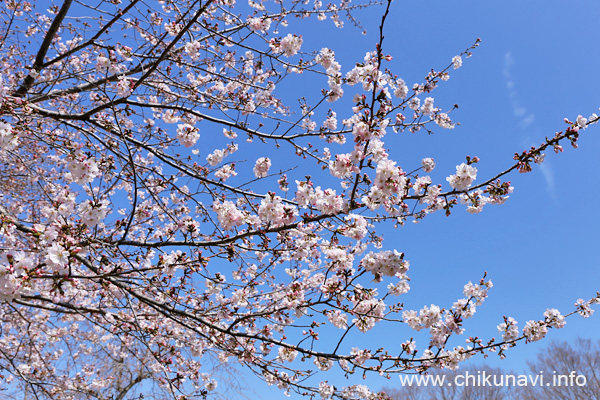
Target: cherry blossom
x: 274, y: 211
x: 93, y: 213
x: 259, y: 24
x: 464, y: 177
x: 457, y: 62
x: 228, y: 214
x: 216, y: 157
x: 428, y: 164
x: 225, y: 172
x: 187, y: 134
x: 338, y: 319
x: 386, y: 263
x: 554, y: 318
x: 509, y: 329
x: 290, y: 45
x: 124, y: 87
x: 58, y: 257
x: 287, y: 354
x: 83, y: 168
x: 261, y: 167
x: 534, y: 331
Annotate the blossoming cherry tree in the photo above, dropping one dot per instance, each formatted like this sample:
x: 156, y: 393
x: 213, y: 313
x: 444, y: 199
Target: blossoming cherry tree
x: 169, y: 207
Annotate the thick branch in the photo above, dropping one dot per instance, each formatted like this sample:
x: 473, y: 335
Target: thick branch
x: 39, y: 59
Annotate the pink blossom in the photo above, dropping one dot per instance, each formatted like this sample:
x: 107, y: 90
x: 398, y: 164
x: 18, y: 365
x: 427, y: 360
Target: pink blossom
x: 401, y: 90
x: 274, y: 212
x: 290, y: 45
x: 83, y: 168
x: 355, y: 227
x: 342, y: 166
x: 388, y: 187
x: 326, y: 58
x: 228, y: 214
x: 102, y: 63
x: 225, y: 172
x: 464, y: 177
x: 386, y: 263
x: 93, y: 213
x: 509, y: 329
x: 554, y: 318
x: 287, y: 354
x: 259, y: 24
x: 187, y: 134
x: 326, y: 390
x: 192, y: 49
x: 323, y: 363
x: 457, y: 62
x: 8, y: 139
x: 216, y: 157
x: 261, y: 168
x: 58, y: 257
x: 427, y: 107
x: 360, y: 356
x: 534, y: 331
x: 583, y: 308
x: 12, y: 269
x: 124, y: 87
x: 327, y: 201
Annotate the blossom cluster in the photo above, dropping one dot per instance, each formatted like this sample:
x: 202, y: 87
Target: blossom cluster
x: 274, y: 212
x: 441, y: 322
x: 13, y: 270
x: 84, y: 168
x: 8, y: 138
x: 262, y: 166
x: 326, y: 58
x: 187, y: 134
x: 385, y: 263
x: 289, y: 45
x: 389, y: 186
x: 464, y: 177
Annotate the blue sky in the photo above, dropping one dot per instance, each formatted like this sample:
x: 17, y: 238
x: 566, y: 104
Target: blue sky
x: 538, y: 63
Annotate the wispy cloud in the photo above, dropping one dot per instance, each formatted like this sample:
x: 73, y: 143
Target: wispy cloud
x: 525, y: 118
x: 549, y: 177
